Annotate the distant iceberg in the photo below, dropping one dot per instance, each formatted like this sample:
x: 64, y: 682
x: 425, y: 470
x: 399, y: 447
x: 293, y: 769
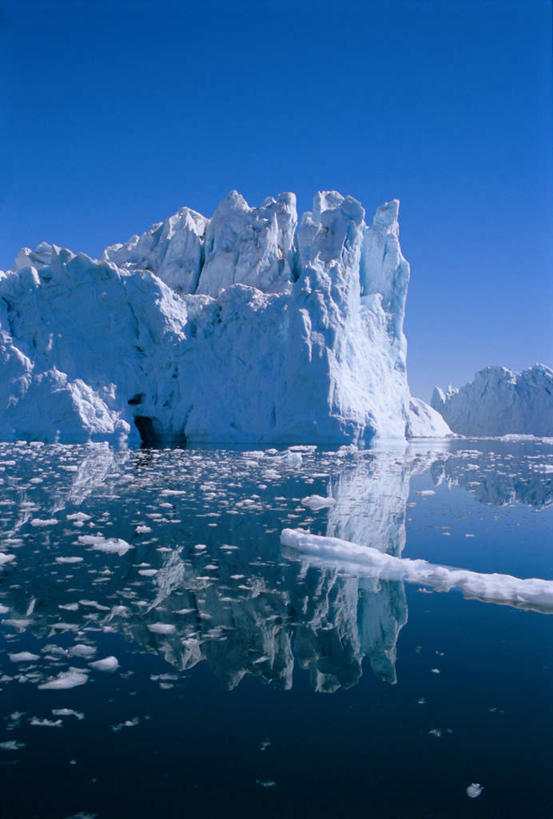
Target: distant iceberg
x: 500, y: 402
x: 242, y: 328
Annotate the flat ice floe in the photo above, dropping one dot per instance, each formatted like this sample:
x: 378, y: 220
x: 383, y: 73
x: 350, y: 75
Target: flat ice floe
x: 531, y: 593
x: 106, y: 664
x: 111, y: 546
x: 68, y: 679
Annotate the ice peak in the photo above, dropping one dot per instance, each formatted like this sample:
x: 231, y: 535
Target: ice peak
x: 386, y: 216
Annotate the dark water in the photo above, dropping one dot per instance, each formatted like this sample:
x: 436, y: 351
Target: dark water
x: 250, y: 682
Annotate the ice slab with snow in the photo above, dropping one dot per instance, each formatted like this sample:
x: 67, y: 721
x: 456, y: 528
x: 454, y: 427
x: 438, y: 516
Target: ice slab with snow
x: 245, y: 327
x: 530, y: 593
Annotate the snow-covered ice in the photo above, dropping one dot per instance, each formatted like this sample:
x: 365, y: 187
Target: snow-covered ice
x: 106, y: 664
x: 240, y: 328
x: 531, y: 593
x: 65, y: 680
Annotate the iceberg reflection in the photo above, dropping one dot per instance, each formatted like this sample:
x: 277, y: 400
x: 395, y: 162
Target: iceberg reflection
x: 178, y: 551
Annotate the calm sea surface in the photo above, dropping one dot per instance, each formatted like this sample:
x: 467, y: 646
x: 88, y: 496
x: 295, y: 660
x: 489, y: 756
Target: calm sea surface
x: 162, y: 655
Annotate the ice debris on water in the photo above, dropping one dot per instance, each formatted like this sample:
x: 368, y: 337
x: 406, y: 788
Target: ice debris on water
x: 474, y: 790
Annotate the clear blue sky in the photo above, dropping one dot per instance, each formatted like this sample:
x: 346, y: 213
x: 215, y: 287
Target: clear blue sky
x: 116, y: 113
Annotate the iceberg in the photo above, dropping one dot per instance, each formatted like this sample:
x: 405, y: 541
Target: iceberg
x: 247, y: 327
x: 500, y: 402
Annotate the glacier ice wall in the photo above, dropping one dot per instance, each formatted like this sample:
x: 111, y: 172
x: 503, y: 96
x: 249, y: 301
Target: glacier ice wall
x: 500, y: 402
x: 240, y: 328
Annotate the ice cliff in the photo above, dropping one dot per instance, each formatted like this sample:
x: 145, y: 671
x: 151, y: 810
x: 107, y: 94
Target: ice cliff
x: 240, y: 328
x: 499, y: 401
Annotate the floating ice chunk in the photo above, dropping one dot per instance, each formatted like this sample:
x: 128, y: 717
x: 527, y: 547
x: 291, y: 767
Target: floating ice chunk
x: 106, y: 664
x: 38, y: 522
x: 316, y: 502
x: 161, y: 628
x: 81, y: 650
x: 474, y: 790
x: 79, y: 516
x: 68, y: 679
x: 67, y: 712
x: 69, y: 560
x: 4, y: 558
x: 19, y: 623
x: 23, y: 657
x: 129, y: 723
x: 365, y: 561
x: 46, y: 723
x: 266, y: 783
x: 11, y: 745
x: 4, y: 609
x: 111, y: 546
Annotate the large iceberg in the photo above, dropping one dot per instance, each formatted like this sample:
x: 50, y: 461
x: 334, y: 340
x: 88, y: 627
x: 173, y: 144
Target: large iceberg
x: 240, y: 328
x: 500, y: 402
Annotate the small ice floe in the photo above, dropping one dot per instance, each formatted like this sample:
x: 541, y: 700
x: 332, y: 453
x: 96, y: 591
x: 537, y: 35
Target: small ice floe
x: 435, y: 671
x: 67, y: 712
x: 4, y: 558
x: 38, y: 522
x: 4, y: 609
x: 45, y: 723
x: 106, y: 664
x: 81, y: 650
x: 317, y: 502
x: 129, y: 723
x: 20, y: 623
x: 161, y: 628
x: 264, y: 744
x: 69, y: 559
x: 110, y: 546
x: 143, y: 530
x: 266, y: 783
x: 11, y: 745
x: 78, y: 516
x: 426, y: 492
x: 435, y: 732
x: 474, y: 790
x: 68, y: 679
x: 81, y: 814
x: 23, y: 657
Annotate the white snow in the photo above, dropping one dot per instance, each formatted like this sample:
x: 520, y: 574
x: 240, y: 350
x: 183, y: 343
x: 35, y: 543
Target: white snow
x: 500, y: 402
x: 365, y: 561
x: 240, y: 328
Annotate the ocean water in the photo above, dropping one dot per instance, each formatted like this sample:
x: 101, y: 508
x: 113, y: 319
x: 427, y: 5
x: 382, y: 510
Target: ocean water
x: 163, y: 655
